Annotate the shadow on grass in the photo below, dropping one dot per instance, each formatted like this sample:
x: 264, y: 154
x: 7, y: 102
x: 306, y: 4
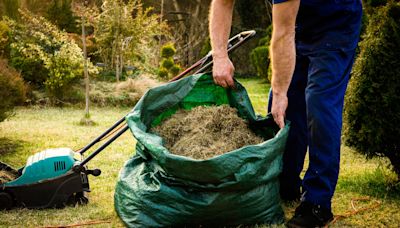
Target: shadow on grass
x: 8, y: 146
x: 381, y: 184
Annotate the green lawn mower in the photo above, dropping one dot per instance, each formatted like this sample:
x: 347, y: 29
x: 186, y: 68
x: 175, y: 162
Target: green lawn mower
x: 58, y: 177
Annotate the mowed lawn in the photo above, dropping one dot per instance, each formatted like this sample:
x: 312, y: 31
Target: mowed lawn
x: 34, y: 129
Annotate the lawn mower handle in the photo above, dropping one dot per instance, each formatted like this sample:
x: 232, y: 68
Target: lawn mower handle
x: 203, y: 63
x: 233, y: 43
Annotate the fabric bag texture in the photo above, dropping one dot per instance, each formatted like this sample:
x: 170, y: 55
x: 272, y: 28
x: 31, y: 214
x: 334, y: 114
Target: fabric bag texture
x: 156, y: 188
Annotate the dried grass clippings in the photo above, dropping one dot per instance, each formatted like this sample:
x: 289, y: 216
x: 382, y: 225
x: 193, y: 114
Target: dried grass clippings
x: 6, y: 176
x: 205, y: 132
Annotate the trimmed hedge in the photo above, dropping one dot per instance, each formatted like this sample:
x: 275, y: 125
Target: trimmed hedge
x: 372, y: 107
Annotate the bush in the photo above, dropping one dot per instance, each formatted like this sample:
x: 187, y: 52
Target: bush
x: 175, y: 69
x: 206, y: 48
x: 259, y: 56
x: 162, y: 73
x: 40, y: 49
x: 260, y: 60
x: 374, y: 3
x: 372, y: 104
x: 32, y: 70
x: 168, y: 51
x: 4, y: 38
x: 167, y: 63
x: 12, y: 89
x: 168, y: 68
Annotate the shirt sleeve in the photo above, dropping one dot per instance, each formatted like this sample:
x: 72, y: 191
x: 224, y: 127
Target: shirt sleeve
x: 278, y: 1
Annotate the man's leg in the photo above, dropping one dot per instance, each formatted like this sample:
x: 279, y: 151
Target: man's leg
x: 296, y: 146
x: 328, y: 77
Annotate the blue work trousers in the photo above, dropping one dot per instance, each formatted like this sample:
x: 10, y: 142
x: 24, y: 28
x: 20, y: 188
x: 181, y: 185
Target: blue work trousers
x: 315, y: 96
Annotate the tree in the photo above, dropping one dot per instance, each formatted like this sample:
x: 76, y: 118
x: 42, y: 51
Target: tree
x: 372, y: 104
x: 60, y: 14
x: 87, y: 11
x: 125, y: 33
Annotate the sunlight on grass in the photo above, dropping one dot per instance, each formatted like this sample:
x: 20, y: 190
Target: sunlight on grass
x: 35, y: 129
x: 258, y: 91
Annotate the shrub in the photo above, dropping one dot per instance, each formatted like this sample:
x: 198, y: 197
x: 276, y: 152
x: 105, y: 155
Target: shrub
x: 12, y: 89
x: 4, y: 37
x: 175, y: 69
x: 168, y: 68
x: 162, y: 73
x: 259, y: 56
x: 38, y: 44
x: 374, y: 3
x: 206, y: 48
x: 260, y: 60
x: 372, y: 104
x: 167, y: 63
x: 32, y: 70
x: 168, y: 51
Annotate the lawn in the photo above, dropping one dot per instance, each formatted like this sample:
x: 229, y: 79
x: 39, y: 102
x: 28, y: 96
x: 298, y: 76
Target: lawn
x: 33, y: 129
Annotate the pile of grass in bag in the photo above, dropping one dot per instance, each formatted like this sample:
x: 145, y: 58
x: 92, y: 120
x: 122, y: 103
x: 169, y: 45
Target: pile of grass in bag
x: 205, y: 132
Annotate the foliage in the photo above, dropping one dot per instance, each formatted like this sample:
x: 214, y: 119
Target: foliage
x: 125, y: 34
x: 168, y: 68
x: 61, y: 15
x: 255, y: 13
x: 37, y: 128
x: 206, y: 47
x: 162, y: 73
x: 10, y: 8
x: 374, y: 3
x: 12, y: 89
x: 32, y: 69
x: 259, y: 56
x: 167, y: 63
x: 168, y: 51
x: 175, y: 69
x: 260, y: 59
x: 373, y: 101
x: 39, y: 43
x: 4, y: 38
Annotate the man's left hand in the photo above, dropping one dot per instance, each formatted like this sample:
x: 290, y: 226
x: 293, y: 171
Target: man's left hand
x: 278, y: 108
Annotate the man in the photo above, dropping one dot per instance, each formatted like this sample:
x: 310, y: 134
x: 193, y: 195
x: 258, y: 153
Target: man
x: 312, y: 51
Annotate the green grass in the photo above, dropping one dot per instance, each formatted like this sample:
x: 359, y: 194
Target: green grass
x: 34, y: 129
x: 258, y: 91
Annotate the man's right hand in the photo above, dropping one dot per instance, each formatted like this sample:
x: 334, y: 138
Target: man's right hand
x: 223, y: 72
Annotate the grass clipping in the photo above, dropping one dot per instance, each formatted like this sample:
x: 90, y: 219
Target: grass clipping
x: 6, y: 176
x: 205, y: 132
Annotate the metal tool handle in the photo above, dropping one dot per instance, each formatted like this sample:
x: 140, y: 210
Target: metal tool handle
x: 205, y: 62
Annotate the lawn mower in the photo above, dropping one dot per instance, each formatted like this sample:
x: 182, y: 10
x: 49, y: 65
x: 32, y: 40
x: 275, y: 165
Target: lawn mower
x: 58, y: 177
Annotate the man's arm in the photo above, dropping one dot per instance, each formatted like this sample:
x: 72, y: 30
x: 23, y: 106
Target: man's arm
x: 283, y: 55
x: 220, y: 26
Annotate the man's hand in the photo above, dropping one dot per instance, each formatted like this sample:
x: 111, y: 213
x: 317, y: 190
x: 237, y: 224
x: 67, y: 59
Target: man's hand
x: 278, y: 108
x: 220, y: 26
x: 223, y: 72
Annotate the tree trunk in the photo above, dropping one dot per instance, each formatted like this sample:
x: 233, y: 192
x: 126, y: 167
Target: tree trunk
x: 85, y: 70
x: 117, y: 65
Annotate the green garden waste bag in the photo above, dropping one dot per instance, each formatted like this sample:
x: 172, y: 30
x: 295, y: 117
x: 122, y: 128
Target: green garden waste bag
x: 156, y: 188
